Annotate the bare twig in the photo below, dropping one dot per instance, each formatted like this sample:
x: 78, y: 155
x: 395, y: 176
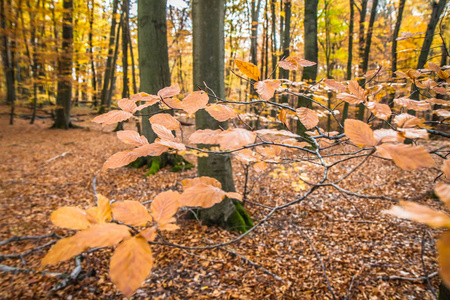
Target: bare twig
x: 58, y: 156
x: 14, y: 270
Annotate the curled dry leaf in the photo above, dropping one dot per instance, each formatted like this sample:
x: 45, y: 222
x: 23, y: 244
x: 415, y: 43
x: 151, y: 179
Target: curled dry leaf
x: 236, y: 138
x: 127, y: 105
x: 282, y: 116
x: 293, y: 62
x: 120, y: 159
x: 205, y: 136
x: 266, y: 89
x: 100, y: 235
x: 154, y: 149
x: 407, y: 157
x: 381, y: 111
x: 131, y: 213
x: 221, y: 112
x: 359, y: 133
x: 112, y: 117
x: 407, y: 121
x: 440, y: 90
x: 100, y: 213
x: 175, y: 144
x: 165, y: 206
x: 308, y: 117
x: 387, y: 136
x: 187, y: 183
x: 420, y: 213
x: 162, y: 132
x: 132, y: 137
x: 413, y: 104
x: 248, y: 69
x: 246, y: 156
x: 172, y: 103
x: 276, y: 132
x: 70, y: 218
x: 260, y: 166
x: 333, y: 84
x: 165, y: 120
x: 352, y: 99
x: 443, y: 246
x: 357, y: 90
x: 446, y: 168
x: 433, y: 67
x: 442, y: 113
x: 169, y: 91
x: 130, y: 264
x: 195, y: 101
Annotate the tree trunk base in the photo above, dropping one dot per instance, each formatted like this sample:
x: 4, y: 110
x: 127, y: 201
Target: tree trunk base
x: 444, y: 292
x: 156, y: 163
x: 228, y: 214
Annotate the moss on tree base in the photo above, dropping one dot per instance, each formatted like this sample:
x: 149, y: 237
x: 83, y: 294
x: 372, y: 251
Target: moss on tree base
x: 156, y: 163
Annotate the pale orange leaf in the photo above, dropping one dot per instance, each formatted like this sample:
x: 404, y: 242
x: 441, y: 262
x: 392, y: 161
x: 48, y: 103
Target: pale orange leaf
x: 433, y: 67
x: 153, y: 149
x: 132, y: 137
x: 149, y: 234
x: 187, y: 183
x: 120, y: 159
x: 407, y: 121
x: 175, y: 144
x: 352, y: 99
x: 202, y: 195
x: 162, y: 132
x: 357, y: 90
x: 276, y: 132
x: 112, y: 117
x: 236, y: 138
x: 359, y: 133
x: 443, y: 247
x: 446, y: 168
x: 282, y: 116
x: 408, y: 157
x: 172, y: 103
x: 206, y: 136
x: 195, y: 101
x: 169, y: 91
x: 413, y: 133
x: 127, y: 105
x: 260, y: 166
x: 100, y: 213
x: 387, y: 136
x: 413, y: 104
x: 381, y: 111
x: 131, y: 213
x: 130, y: 264
x: 165, y: 206
x: 442, y: 113
x: 248, y: 69
x: 308, y: 117
x: 165, y: 120
x: 221, y: 112
x: 70, y: 218
x: 333, y: 84
x: 234, y: 195
x: 442, y: 190
x: 420, y: 213
x: 266, y: 89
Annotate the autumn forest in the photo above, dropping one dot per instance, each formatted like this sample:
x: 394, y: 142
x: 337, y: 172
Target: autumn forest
x: 225, y: 149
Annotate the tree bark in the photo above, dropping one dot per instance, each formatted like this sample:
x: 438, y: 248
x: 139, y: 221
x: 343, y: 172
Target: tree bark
x: 7, y: 56
x: 65, y: 61
x: 91, y: 52
x: 208, y: 52
x: 349, y: 58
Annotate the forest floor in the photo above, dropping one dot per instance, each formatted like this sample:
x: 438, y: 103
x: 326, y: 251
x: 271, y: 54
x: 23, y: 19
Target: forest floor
x: 359, y: 247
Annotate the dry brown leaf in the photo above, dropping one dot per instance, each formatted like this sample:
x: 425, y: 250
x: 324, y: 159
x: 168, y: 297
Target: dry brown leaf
x: 357, y: 90
x: 206, y: 136
x: 248, y: 69
x: 387, y: 136
x: 359, y: 133
x: 127, y: 105
x: 442, y: 113
x: 187, y: 183
x: 282, y: 116
x: 202, y: 195
x: 308, y: 117
x: 266, y: 89
x: 165, y: 206
x: 165, y: 120
x: 408, y: 157
x: 433, y: 67
x: 442, y: 190
x: 420, y: 213
x: 413, y: 104
x: 153, y: 149
x: 70, y: 218
x: 352, y: 99
x: 413, y: 133
x: 260, y: 166
x: 381, y: 111
x: 169, y: 91
x: 236, y: 138
x: 131, y: 212
x: 162, y: 132
x: 132, y: 137
x: 172, y: 103
x: 221, y: 112
x: 130, y: 264
x: 407, y: 121
x: 120, y: 159
x: 443, y: 246
x: 333, y: 84
x: 446, y: 168
x: 195, y: 101
x: 112, y: 117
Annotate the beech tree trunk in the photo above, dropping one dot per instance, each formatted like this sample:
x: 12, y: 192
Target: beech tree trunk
x: 65, y: 61
x: 7, y: 57
x: 208, y: 51
x: 349, y: 58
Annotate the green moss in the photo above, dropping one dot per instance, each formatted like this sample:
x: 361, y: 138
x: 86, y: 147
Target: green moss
x: 155, y: 167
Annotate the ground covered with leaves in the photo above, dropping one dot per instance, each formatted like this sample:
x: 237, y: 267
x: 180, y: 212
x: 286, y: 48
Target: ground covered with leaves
x: 330, y: 245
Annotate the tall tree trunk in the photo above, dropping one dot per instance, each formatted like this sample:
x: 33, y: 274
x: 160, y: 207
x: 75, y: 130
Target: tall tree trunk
x: 208, y: 52
x: 286, y: 38
x: 112, y: 78
x: 274, y: 47
x: 365, y: 62
x: 153, y: 55
x: 311, y: 53
x: 438, y: 8
x: 398, y: 23
x: 91, y: 52
x: 65, y: 61
x: 349, y: 58
x: 254, y: 32
x: 109, y: 60
x: 125, y: 10
x: 7, y: 54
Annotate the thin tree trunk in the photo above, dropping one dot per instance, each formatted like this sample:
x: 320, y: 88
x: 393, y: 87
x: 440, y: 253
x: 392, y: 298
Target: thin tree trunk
x: 112, y: 79
x: 65, y: 61
x: 109, y: 60
x: 349, y: 58
x: 7, y: 56
x: 91, y: 52
x: 125, y: 90
x: 274, y: 47
x: 254, y: 32
x: 133, y: 66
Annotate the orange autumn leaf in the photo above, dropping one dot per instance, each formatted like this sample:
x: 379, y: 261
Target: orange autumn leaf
x: 352, y: 99
x: 100, y: 235
x: 165, y: 120
x: 148, y: 234
x: 387, y: 136
x: 120, y: 159
x: 443, y: 247
x: 221, y: 112
x: 413, y: 104
x: 413, y: 133
x: 165, y: 206
x: 172, y: 103
x: 308, y: 117
x: 162, y: 132
x: 282, y: 116
x: 442, y: 190
x: 100, y: 213
x: 248, y: 69
x: 420, y: 213
x: 127, y: 105
x: 205, y: 136
x: 333, y: 84
x: 130, y: 264
x: 153, y: 149
x: 293, y: 62
x: 236, y: 138
x: 359, y: 133
x: 407, y: 121
x: 408, y: 157
x: 132, y: 137
x: 195, y: 101
x: 131, y: 213
x: 357, y: 90
x: 260, y: 166
x: 175, y: 144
x: 169, y: 91
x: 381, y: 111
x: 266, y: 89
x: 112, y: 117
x: 446, y: 168
x: 187, y: 183
x: 234, y: 195
x: 202, y: 195
x: 70, y: 218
